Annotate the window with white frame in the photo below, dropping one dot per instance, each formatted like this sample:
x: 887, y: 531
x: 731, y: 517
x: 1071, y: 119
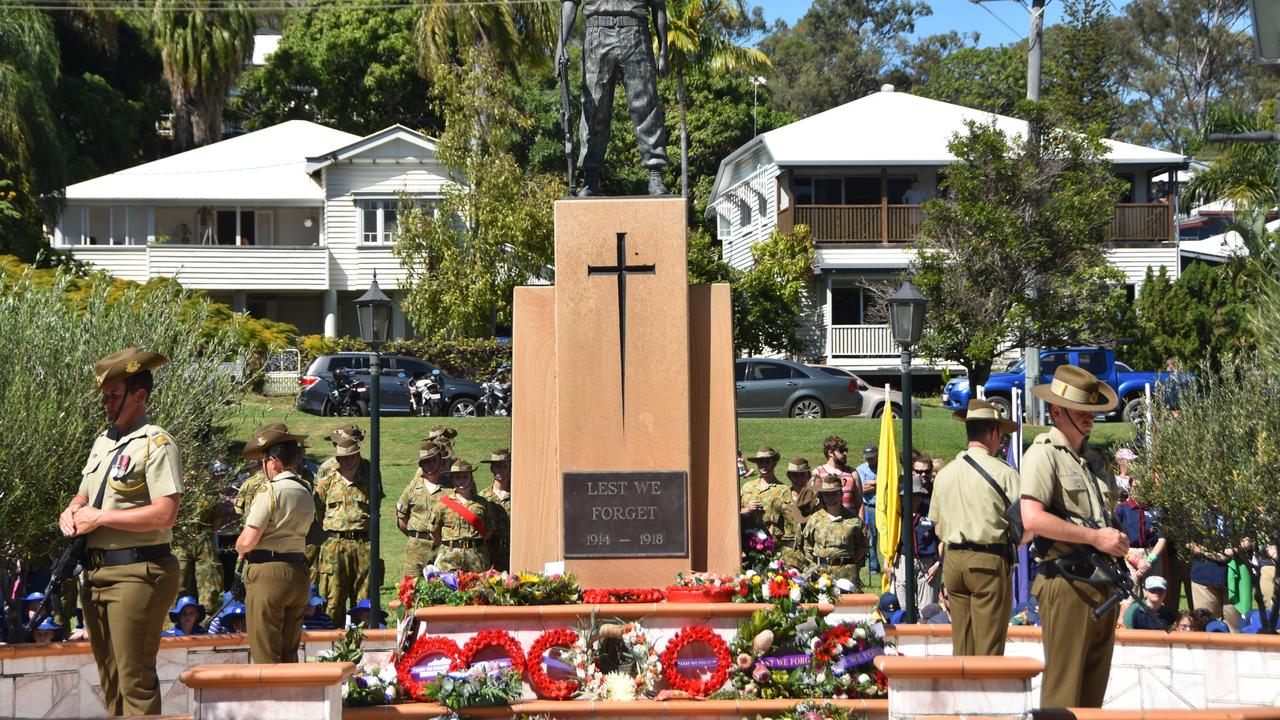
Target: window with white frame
x: 724, y: 226
x: 378, y: 220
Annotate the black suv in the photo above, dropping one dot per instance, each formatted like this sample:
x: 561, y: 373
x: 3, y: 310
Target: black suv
x: 461, y: 397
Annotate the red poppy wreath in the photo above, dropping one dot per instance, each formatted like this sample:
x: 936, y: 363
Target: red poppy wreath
x: 538, y: 678
x: 487, y: 639
x: 601, y: 596
x: 426, y: 646
x: 703, y: 685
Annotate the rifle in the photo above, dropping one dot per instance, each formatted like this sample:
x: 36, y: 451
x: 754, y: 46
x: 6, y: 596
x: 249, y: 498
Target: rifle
x: 1087, y: 564
x: 562, y: 68
x: 69, y: 565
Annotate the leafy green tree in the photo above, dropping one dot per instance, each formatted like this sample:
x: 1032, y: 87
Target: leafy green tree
x: 700, y: 36
x: 1013, y: 257
x: 1183, y: 56
x: 1085, y: 87
x: 1202, y: 316
x: 837, y: 52
x: 767, y: 298
x: 1213, y: 453
x: 986, y: 78
x: 31, y: 154
x: 512, y: 36
x: 352, y: 68
x: 493, y: 229
x: 202, y: 52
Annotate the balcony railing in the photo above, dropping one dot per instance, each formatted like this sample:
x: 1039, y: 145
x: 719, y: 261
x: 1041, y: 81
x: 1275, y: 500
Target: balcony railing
x: 860, y: 341
x: 834, y: 224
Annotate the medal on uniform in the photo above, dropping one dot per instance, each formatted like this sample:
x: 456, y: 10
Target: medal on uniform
x: 121, y: 467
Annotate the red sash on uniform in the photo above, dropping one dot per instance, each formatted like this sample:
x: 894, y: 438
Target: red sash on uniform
x: 463, y: 512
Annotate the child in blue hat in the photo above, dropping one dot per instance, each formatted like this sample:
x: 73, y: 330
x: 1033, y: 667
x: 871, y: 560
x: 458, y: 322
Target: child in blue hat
x: 230, y: 620
x: 316, y: 618
x: 46, y: 632
x: 359, y: 615
x: 186, y: 617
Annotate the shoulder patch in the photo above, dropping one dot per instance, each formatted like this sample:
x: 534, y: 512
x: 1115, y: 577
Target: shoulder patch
x: 160, y: 439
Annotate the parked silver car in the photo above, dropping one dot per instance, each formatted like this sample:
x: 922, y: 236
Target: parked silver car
x: 872, y: 397
x: 781, y: 388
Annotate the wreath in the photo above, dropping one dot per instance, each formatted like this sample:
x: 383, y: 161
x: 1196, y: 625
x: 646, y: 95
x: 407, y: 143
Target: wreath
x: 538, y: 678
x: 638, y: 671
x: 487, y: 639
x: 601, y: 596
x: 707, y: 684
x: 426, y: 646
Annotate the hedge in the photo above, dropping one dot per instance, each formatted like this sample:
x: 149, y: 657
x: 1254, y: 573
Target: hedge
x: 467, y: 358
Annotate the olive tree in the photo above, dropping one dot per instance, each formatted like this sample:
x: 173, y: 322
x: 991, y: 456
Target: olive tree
x: 49, y: 403
x: 1213, y: 452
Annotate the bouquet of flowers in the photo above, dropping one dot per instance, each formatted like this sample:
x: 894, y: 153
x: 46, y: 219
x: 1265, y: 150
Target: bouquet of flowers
x: 777, y: 582
x: 758, y: 549
x: 528, y: 589
x: 849, y: 651
x: 441, y: 588
x: 773, y: 657
x: 816, y: 711
x: 702, y: 587
x: 371, y: 685
x: 474, y: 687
x: 615, y: 661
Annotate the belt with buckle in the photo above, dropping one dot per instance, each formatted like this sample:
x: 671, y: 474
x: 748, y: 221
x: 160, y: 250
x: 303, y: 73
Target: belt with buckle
x: 261, y: 556
x: 614, y: 21
x: 418, y: 534
x: 128, y: 556
x: 1000, y: 549
x: 462, y: 543
x: 348, y: 534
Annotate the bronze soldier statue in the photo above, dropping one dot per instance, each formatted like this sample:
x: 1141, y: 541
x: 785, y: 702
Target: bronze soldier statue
x: 617, y: 47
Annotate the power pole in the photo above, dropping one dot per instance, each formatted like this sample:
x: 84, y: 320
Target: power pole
x: 1035, y: 53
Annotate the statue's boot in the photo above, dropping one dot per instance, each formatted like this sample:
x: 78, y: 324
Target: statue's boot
x: 590, y: 183
x: 656, y: 186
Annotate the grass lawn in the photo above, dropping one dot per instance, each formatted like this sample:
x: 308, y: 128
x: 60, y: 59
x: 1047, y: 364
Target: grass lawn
x: 936, y: 434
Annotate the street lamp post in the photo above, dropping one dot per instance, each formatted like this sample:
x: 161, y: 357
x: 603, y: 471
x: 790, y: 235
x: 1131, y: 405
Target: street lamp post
x: 373, y: 312
x: 1266, y: 30
x: 906, y: 320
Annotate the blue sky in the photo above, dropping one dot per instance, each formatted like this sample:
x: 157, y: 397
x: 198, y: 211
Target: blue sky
x: 998, y: 21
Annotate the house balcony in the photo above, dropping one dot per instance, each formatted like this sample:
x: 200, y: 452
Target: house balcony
x: 834, y: 225
x: 214, y: 267
x: 861, y: 341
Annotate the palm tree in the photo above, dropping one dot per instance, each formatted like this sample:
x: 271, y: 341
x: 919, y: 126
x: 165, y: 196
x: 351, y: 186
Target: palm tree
x: 29, y: 68
x: 202, y: 53
x: 699, y: 36
x: 510, y: 34
x: 1247, y: 173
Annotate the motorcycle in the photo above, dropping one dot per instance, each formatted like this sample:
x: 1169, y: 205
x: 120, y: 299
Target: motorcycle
x: 426, y: 394
x: 348, y: 397
x: 496, y: 399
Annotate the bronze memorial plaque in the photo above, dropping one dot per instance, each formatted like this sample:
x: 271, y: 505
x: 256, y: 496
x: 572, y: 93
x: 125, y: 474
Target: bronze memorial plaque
x: 626, y: 514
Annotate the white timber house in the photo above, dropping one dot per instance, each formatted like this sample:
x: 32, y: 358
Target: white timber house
x: 289, y: 222
x: 846, y: 173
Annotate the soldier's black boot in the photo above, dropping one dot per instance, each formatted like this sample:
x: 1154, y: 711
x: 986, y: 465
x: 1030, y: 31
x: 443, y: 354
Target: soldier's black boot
x: 656, y: 186
x: 590, y: 183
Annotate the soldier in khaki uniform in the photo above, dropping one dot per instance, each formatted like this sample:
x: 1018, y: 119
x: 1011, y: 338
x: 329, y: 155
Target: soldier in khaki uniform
x: 1067, y: 485
x: 343, y: 493
x: 257, y: 482
x: 416, y: 503
x: 272, y: 542
x: 971, y: 525
x: 759, y: 499
x: 499, y: 494
x: 833, y: 539
x: 462, y: 523
x: 442, y: 434
x: 790, y: 511
x: 126, y: 505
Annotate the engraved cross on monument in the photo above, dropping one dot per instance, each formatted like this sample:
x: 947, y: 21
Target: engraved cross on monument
x: 620, y: 270
x: 624, y: 443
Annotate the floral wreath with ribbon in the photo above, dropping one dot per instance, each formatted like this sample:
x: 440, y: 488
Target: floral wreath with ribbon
x: 424, y: 647
x: 487, y: 639
x: 706, y: 683
x: 636, y: 677
x: 601, y: 596
x: 542, y: 683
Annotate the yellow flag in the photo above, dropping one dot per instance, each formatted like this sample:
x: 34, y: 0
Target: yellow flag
x: 888, y: 510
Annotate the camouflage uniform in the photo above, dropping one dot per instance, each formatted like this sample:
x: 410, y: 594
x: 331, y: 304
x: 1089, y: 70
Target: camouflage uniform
x: 344, y: 557
x: 500, y: 540
x: 772, y: 497
x: 786, y: 520
x: 414, y: 507
x: 835, y: 544
x: 462, y: 547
